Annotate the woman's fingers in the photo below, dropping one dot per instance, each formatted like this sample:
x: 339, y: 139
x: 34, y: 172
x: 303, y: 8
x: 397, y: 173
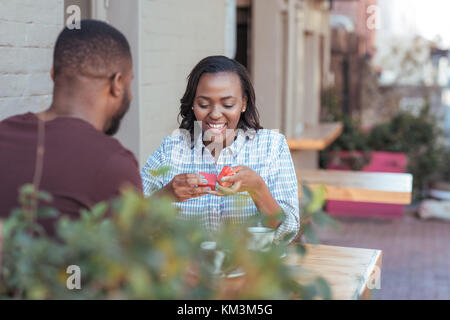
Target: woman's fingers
x: 230, y: 191
x: 193, y: 179
x: 201, y: 190
x: 215, y: 193
x: 231, y: 179
x: 192, y: 182
x: 235, y: 175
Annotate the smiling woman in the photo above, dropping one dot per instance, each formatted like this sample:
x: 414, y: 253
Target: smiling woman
x: 220, y: 127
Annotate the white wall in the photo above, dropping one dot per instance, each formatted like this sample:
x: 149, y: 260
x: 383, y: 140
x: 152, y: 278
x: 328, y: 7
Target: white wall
x: 175, y: 35
x: 125, y: 17
x: 279, y: 107
x: 28, y: 30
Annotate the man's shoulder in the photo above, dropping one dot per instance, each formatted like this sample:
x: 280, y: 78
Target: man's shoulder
x: 121, y: 151
x: 116, y: 166
x: 16, y: 119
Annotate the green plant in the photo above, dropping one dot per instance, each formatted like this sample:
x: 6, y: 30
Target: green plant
x: 444, y: 167
x: 353, y: 139
x: 312, y: 213
x: 418, y: 137
x: 138, y: 248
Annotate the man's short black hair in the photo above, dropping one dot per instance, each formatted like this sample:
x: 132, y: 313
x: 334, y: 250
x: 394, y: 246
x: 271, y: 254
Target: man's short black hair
x: 95, y: 50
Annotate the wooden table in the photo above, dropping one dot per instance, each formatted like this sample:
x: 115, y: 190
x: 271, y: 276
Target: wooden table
x: 316, y: 137
x: 380, y: 187
x: 304, y: 148
x: 350, y: 272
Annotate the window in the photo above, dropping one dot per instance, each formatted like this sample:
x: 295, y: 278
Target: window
x: 243, y: 43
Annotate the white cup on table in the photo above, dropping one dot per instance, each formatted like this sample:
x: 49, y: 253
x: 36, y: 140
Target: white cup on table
x: 212, y: 258
x: 261, y: 238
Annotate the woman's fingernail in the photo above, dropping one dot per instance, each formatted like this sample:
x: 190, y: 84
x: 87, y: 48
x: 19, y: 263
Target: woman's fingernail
x: 224, y: 179
x: 205, y: 181
x: 208, y: 189
x: 203, y: 177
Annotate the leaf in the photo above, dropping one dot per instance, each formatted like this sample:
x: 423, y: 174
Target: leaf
x: 308, y: 292
x: 286, y: 239
x: 160, y: 171
x: 99, y: 210
x: 27, y: 189
x: 44, y: 196
x: 307, y: 195
x: 323, y: 219
x: 323, y: 289
x: 281, y: 216
x: 47, y: 212
x: 318, y: 200
x: 300, y: 249
x: 310, y: 234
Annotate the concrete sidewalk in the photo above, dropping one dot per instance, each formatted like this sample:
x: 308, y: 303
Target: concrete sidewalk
x: 416, y: 253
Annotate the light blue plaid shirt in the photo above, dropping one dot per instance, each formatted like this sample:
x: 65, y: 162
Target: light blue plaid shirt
x: 265, y: 151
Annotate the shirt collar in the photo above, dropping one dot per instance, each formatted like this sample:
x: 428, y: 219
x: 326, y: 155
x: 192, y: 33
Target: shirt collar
x: 241, y: 137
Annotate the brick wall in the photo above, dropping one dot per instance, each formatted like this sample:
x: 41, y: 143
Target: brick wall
x: 175, y: 35
x: 28, y: 30
x: 172, y: 36
x: 357, y: 12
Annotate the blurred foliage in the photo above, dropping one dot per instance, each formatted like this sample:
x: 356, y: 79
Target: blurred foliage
x: 416, y: 135
x: 444, y: 166
x: 353, y: 139
x: 139, y: 248
x: 313, y: 215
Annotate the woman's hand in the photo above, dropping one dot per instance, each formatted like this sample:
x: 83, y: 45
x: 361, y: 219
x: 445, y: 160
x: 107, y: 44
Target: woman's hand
x: 246, y: 179
x: 186, y: 186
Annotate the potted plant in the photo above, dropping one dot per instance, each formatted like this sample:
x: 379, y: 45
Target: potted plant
x: 406, y: 143
x: 140, y: 251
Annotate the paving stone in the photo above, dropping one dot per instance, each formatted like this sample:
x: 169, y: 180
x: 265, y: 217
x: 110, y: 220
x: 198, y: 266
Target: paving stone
x: 416, y: 253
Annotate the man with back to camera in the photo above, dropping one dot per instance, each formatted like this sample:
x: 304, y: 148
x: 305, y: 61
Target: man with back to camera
x: 82, y: 163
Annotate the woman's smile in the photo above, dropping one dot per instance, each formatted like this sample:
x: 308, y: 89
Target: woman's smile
x: 216, y: 127
x: 218, y: 104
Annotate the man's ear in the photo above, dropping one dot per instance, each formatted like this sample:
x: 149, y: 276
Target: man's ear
x: 117, y: 84
x: 52, y: 74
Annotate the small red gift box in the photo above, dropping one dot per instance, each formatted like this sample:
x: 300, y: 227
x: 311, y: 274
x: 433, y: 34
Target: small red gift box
x: 212, y: 178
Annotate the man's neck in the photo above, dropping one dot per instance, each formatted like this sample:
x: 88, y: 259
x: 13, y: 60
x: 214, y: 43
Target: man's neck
x: 53, y: 113
x: 78, y: 97
x: 75, y: 109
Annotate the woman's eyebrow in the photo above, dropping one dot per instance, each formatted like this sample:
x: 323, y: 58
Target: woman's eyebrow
x: 227, y: 97
x: 223, y: 98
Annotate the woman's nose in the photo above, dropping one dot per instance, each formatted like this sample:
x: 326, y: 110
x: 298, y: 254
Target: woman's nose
x: 216, y: 113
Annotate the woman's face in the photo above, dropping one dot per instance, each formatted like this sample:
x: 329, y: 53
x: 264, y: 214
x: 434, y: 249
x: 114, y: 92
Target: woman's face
x: 218, y: 104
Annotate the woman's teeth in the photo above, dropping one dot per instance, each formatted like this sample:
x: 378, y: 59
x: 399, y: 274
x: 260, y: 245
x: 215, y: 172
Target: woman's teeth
x: 216, y: 126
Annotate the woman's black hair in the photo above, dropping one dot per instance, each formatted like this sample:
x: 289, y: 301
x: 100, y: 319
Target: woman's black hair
x: 213, y: 64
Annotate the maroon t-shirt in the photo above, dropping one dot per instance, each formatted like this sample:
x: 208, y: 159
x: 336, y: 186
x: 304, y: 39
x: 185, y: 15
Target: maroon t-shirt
x: 82, y: 166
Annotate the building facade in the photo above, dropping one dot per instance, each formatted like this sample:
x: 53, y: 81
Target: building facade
x: 287, y: 43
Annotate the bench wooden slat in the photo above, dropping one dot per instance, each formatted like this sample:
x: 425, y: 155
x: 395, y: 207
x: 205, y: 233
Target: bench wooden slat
x: 378, y: 187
